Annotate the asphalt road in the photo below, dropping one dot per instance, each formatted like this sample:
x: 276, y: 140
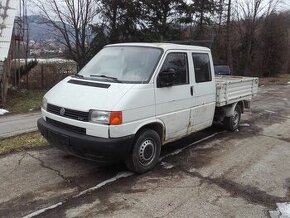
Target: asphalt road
x: 12, y: 125
x: 210, y: 174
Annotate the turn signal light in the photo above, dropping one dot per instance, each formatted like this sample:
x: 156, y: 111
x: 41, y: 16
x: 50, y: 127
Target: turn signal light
x: 116, y: 118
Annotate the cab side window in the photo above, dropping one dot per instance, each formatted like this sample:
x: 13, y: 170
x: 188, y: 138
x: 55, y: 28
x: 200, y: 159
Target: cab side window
x: 202, y: 68
x: 178, y: 62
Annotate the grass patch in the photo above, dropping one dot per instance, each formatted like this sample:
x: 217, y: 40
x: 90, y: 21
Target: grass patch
x: 22, y: 142
x: 282, y: 79
x: 24, y: 101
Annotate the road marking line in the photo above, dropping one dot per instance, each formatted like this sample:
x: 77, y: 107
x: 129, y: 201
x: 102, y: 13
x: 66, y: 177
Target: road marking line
x: 38, y: 212
x: 194, y: 143
x: 115, y: 178
x: 119, y: 176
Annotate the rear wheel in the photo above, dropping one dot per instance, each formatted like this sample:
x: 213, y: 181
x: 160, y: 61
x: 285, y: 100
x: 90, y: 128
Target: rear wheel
x: 146, y: 151
x: 232, y: 123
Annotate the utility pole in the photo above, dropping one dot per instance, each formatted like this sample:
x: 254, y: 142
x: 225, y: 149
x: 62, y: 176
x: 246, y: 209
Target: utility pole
x: 228, y: 37
x: 21, y: 41
x: 26, y: 37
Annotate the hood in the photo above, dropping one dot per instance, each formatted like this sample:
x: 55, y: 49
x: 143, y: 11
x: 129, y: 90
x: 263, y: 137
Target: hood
x: 83, y: 95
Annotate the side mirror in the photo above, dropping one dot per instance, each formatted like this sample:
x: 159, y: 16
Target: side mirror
x: 166, y: 78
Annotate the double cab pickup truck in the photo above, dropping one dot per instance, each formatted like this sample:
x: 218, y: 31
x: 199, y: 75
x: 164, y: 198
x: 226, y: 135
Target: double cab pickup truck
x: 133, y: 98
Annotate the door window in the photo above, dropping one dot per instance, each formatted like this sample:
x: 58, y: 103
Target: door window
x: 201, y: 67
x: 178, y: 62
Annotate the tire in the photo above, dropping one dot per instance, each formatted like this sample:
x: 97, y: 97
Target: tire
x: 232, y: 123
x: 146, y: 152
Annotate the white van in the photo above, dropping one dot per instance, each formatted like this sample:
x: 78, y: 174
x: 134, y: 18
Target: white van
x: 132, y: 98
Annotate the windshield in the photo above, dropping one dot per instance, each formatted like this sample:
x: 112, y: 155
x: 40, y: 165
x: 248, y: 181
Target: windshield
x: 129, y: 64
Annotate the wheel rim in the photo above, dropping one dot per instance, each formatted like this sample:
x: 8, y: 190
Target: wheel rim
x: 147, y: 152
x: 236, y: 119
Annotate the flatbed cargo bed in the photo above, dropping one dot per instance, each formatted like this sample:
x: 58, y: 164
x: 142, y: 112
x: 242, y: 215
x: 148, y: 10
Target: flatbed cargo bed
x: 231, y: 89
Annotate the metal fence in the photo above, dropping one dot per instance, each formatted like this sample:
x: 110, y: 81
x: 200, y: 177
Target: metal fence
x: 45, y: 76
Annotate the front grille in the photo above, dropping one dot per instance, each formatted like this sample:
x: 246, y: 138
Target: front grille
x: 72, y: 114
x: 65, y: 126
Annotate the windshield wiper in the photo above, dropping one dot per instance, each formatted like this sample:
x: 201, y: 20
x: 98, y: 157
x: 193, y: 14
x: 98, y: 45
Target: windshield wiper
x: 107, y: 77
x: 79, y: 76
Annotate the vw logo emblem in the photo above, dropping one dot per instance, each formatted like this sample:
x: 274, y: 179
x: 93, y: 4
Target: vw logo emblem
x: 62, y: 111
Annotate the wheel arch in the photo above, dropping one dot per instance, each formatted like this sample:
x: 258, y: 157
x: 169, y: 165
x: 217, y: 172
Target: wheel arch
x: 156, y: 126
x: 146, y: 150
x: 229, y: 109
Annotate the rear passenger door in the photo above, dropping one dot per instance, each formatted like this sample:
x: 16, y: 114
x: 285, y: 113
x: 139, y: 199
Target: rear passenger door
x: 173, y: 103
x: 204, y: 93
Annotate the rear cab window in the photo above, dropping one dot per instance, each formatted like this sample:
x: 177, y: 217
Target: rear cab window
x: 202, y: 67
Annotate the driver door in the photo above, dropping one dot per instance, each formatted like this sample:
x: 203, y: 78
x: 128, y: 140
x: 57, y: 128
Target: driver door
x: 173, y: 103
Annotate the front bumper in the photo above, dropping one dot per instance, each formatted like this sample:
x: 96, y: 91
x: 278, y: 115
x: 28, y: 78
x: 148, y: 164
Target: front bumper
x: 98, y: 149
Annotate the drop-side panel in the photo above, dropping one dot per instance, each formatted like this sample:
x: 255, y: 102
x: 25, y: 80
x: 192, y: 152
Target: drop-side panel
x: 231, y: 89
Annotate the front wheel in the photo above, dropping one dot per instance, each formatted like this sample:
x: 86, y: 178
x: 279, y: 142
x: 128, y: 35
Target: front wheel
x: 232, y: 123
x: 146, y: 151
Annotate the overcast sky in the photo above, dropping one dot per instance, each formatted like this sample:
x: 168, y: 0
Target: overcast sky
x: 32, y: 9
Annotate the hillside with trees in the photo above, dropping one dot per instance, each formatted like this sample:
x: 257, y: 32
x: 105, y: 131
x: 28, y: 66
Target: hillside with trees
x: 251, y: 36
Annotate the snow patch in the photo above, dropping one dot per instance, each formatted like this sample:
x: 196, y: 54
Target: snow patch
x: 3, y: 111
x: 192, y: 170
x: 48, y: 60
x: 166, y: 165
x: 282, y: 211
x: 271, y: 112
x: 245, y: 125
x: 289, y: 82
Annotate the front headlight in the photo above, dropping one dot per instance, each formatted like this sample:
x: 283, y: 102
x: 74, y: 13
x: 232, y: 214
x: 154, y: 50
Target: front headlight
x: 102, y: 117
x: 44, y: 104
x: 106, y: 117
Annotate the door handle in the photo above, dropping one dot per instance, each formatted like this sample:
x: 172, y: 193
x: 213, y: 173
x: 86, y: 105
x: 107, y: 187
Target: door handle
x: 191, y: 90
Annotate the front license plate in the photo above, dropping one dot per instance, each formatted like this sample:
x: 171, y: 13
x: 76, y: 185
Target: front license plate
x: 58, y: 139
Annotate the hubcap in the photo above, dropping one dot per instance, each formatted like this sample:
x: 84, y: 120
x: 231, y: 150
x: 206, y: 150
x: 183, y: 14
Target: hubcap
x: 147, y: 152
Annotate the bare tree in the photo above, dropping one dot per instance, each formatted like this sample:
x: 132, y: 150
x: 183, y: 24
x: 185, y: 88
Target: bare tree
x: 71, y: 19
x: 274, y: 45
x: 247, y: 15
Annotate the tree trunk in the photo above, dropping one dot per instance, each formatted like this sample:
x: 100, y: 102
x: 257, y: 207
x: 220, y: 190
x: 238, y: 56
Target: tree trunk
x: 114, y: 35
x: 5, y: 84
x: 228, y: 39
x: 200, y: 31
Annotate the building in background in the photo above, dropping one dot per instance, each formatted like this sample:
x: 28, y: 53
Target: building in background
x: 8, y: 10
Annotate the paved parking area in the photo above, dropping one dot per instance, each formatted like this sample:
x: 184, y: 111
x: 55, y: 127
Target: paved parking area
x: 210, y: 174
